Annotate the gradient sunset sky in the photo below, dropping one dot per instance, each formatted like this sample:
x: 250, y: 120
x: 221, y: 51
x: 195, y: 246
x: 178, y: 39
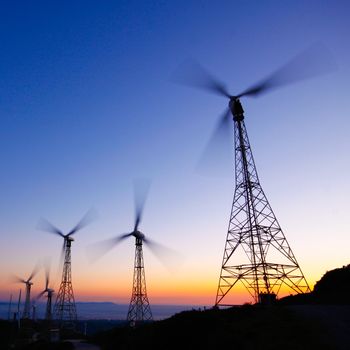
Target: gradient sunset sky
x: 87, y: 105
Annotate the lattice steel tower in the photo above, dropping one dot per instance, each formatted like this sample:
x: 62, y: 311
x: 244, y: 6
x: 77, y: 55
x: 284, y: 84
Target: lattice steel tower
x: 49, y: 293
x: 28, y: 283
x: 139, y: 308
x: 65, y: 310
x: 48, y: 312
x: 256, y: 253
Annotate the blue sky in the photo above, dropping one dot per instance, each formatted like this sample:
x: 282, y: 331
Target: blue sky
x: 87, y: 105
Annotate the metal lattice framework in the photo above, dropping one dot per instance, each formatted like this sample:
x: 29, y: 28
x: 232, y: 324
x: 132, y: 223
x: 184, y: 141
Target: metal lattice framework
x: 28, y: 285
x: 48, y: 312
x: 27, y: 303
x: 139, y: 308
x: 65, y: 310
x: 256, y: 253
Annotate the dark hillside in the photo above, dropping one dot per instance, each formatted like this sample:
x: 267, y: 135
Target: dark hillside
x: 317, y: 320
x: 246, y: 327
x: 334, y: 286
x: 332, y: 289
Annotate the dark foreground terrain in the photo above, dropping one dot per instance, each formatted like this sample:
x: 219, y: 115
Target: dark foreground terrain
x: 246, y: 327
x: 317, y: 320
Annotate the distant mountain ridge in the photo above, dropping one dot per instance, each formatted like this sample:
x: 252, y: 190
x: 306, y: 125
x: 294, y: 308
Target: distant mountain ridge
x: 101, y: 310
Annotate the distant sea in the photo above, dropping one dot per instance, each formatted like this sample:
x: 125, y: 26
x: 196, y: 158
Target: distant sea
x: 103, y: 310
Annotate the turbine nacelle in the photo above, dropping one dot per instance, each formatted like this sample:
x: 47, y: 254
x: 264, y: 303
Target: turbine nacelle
x: 69, y: 238
x: 67, y: 242
x: 138, y: 235
x: 236, y: 108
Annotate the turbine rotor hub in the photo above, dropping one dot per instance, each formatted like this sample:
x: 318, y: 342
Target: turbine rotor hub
x: 236, y: 109
x: 139, y: 235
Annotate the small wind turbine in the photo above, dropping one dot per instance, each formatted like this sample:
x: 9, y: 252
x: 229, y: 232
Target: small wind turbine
x: 65, y: 309
x: 28, y: 283
x: 139, y: 308
x: 49, y: 292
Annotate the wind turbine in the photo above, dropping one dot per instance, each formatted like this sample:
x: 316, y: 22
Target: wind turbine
x: 28, y: 285
x: 256, y: 252
x: 49, y: 292
x: 65, y: 309
x: 139, y: 307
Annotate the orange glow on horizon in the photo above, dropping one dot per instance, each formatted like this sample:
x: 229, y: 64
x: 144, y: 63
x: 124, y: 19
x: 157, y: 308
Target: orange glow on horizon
x: 185, y: 292
x: 158, y: 293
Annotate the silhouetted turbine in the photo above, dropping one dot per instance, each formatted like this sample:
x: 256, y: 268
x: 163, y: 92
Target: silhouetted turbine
x: 139, y: 309
x: 65, y: 309
x: 28, y: 283
x: 266, y: 260
x: 49, y: 292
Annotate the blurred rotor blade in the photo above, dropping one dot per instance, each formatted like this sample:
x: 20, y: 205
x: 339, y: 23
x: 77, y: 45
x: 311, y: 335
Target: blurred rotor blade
x: 62, y: 255
x: 41, y: 294
x: 47, y: 276
x: 218, y: 150
x: 141, y: 188
x: 192, y: 74
x: 312, y: 62
x: 34, y: 272
x: 86, y: 219
x: 45, y: 225
x: 168, y: 257
x: 97, y: 250
x: 17, y: 279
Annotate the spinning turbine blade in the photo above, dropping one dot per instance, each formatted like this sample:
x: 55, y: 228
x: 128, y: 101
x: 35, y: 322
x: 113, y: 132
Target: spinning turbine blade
x: 192, y: 74
x: 63, y: 251
x: 40, y: 294
x: 17, y: 279
x: 217, y: 150
x: 87, y: 219
x: 45, y: 225
x: 47, y: 276
x: 34, y: 272
x: 97, y: 250
x: 141, y: 188
x: 165, y: 255
x: 314, y: 61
